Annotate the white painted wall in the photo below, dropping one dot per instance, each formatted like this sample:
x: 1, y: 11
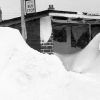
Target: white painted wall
x: 45, y: 28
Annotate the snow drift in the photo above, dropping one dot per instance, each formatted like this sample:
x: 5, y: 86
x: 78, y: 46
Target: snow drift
x: 26, y: 74
x: 86, y: 60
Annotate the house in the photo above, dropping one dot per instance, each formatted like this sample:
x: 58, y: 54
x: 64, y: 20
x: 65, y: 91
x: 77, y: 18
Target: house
x: 57, y: 31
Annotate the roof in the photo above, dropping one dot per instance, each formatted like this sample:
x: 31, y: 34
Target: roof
x: 53, y: 13
x: 75, y: 15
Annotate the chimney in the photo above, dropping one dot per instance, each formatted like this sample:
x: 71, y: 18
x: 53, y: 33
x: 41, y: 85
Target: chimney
x: 51, y: 7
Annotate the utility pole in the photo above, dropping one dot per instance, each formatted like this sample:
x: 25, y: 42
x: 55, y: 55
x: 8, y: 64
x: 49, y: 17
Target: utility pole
x: 23, y: 24
x: 0, y: 15
x: 35, y: 5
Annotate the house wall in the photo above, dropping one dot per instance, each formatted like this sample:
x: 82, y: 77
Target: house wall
x: 71, y: 45
x: 95, y: 29
x: 33, y: 33
x: 16, y: 26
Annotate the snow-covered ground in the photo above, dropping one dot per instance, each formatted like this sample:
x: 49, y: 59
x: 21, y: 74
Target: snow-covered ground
x: 26, y: 74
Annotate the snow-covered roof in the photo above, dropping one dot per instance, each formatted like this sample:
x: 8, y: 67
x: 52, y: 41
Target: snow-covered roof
x: 75, y: 15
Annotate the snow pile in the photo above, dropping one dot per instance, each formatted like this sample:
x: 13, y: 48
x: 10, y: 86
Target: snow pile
x: 88, y: 58
x: 26, y: 74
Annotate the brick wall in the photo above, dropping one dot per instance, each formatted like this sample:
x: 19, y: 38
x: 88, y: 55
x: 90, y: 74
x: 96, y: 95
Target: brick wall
x: 47, y: 47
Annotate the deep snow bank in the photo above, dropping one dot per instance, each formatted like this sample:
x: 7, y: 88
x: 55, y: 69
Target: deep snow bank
x: 89, y: 57
x: 26, y: 74
x: 10, y: 39
x: 86, y: 60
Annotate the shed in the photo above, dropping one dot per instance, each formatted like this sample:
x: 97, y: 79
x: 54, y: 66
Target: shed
x: 57, y: 31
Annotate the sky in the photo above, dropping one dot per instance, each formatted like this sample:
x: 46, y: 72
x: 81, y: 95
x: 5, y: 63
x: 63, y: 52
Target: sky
x: 11, y: 8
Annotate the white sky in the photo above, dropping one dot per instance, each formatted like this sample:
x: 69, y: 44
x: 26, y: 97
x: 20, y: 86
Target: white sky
x: 11, y: 8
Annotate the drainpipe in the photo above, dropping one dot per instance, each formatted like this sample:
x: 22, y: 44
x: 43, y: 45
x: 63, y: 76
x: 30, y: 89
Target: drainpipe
x: 90, y: 32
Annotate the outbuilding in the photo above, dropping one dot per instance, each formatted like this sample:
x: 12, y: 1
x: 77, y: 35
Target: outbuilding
x: 62, y: 32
